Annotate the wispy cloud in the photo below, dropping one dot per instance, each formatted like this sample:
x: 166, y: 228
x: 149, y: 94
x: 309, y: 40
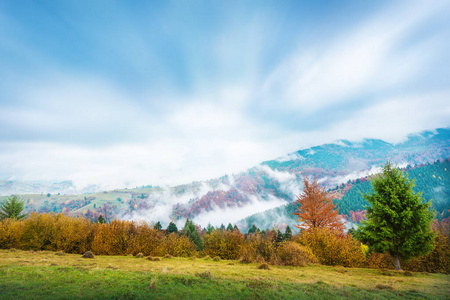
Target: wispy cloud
x: 160, y: 95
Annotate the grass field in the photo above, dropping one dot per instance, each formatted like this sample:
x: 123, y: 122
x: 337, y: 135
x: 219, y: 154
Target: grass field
x: 44, y: 274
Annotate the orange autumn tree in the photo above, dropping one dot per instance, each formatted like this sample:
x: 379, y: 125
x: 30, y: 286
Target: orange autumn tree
x: 317, y: 209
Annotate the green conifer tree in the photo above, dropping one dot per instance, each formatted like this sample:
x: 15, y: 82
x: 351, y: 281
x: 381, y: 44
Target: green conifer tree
x: 190, y: 231
x: 397, y: 221
x: 288, y: 233
x: 12, y: 208
x: 253, y: 229
x: 279, y: 236
x: 158, y: 226
x: 229, y: 227
x: 172, y: 228
x: 209, y: 228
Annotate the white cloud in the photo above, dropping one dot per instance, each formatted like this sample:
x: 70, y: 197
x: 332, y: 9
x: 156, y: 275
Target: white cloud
x: 220, y: 216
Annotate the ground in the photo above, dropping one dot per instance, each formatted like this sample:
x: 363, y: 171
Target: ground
x: 45, y: 274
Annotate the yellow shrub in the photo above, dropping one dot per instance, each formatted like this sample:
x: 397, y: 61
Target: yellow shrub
x: 223, y: 243
x: 333, y: 248
x: 176, y: 245
x: 10, y: 233
x: 293, y: 254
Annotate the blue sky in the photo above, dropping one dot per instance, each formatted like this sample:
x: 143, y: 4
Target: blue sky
x: 122, y: 93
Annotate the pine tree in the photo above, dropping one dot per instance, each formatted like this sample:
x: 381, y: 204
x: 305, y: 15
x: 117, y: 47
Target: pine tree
x: 157, y: 226
x: 191, y: 232
x: 253, y: 229
x: 288, y: 233
x: 12, y: 208
x: 229, y: 227
x: 209, y: 228
x: 101, y: 219
x: 397, y: 221
x: 317, y: 209
x: 279, y: 237
x: 172, y: 228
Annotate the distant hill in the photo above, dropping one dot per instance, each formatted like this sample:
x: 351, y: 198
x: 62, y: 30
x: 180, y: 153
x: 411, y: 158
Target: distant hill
x: 234, y: 197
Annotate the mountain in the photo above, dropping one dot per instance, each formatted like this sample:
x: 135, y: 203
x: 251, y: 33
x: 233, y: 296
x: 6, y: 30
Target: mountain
x: 13, y: 187
x: 271, y: 184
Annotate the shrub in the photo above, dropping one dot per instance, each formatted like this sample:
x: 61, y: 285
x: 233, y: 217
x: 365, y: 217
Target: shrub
x: 333, y: 248
x: 257, y: 248
x: 293, y: 254
x: 216, y: 258
x: 263, y: 266
x: 224, y: 243
x: 175, y: 245
x: 60, y: 253
x: 139, y: 255
x: 11, y: 232
x: 168, y: 256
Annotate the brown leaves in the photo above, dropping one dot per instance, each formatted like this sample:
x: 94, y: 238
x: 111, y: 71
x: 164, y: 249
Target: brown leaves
x: 316, y: 208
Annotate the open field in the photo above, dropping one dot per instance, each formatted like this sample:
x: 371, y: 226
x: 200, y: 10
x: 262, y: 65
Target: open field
x: 44, y: 274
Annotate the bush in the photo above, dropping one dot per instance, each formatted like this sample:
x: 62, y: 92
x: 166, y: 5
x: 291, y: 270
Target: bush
x: 175, y: 245
x: 223, y: 243
x: 216, y: 258
x: 263, y: 266
x: 332, y: 248
x: 293, y: 254
x: 257, y: 248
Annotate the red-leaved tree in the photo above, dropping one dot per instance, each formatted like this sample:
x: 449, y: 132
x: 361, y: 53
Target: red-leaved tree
x: 316, y: 208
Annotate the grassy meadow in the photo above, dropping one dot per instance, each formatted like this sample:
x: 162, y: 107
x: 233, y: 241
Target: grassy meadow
x: 46, y: 274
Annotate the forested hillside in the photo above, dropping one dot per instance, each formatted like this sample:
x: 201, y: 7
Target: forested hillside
x: 433, y: 180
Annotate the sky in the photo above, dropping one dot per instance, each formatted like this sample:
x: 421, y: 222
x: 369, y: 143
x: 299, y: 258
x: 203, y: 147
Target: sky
x: 128, y: 93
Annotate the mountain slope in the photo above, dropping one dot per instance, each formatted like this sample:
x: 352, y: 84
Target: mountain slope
x: 268, y: 185
x: 433, y: 180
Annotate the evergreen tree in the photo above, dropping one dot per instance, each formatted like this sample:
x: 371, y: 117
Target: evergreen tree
x: 235, y: 228
x: 279, y: 236
x: 253, y: 229
x: 397, y: 221
x: 101, y: 219
x: 222, y: 227
x: 157, y: 226
x: 288, y: 233
x: 12, y: 208
x: 190, y: 230
x: 229, y: 227
x: 172, y: 228
x: 209, y: 228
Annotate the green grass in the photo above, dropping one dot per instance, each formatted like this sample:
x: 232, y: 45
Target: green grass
x: 43, y: 275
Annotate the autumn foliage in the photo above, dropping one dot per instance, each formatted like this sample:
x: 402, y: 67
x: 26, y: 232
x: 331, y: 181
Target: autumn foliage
x: 316, y: 208
x: 58, y: 232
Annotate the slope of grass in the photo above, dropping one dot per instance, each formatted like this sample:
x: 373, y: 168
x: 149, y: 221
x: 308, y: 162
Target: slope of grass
x: 36, y: 275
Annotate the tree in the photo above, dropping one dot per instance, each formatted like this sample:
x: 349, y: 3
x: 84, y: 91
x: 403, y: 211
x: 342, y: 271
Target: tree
x: 191, y: 232
x: 279, y: 236
x: 172, y: 228
x: 253, y: 229
x: 229, y: 227
x: 12, y: 208
x: 288, y: 233
x: 209, y: 228
x: 158, y: 226
x: 101, y: 219
x: 317, y: 209
x: 398, y: 222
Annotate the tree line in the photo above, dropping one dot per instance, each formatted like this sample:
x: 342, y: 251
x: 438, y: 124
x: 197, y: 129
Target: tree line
x: 398, y: 231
